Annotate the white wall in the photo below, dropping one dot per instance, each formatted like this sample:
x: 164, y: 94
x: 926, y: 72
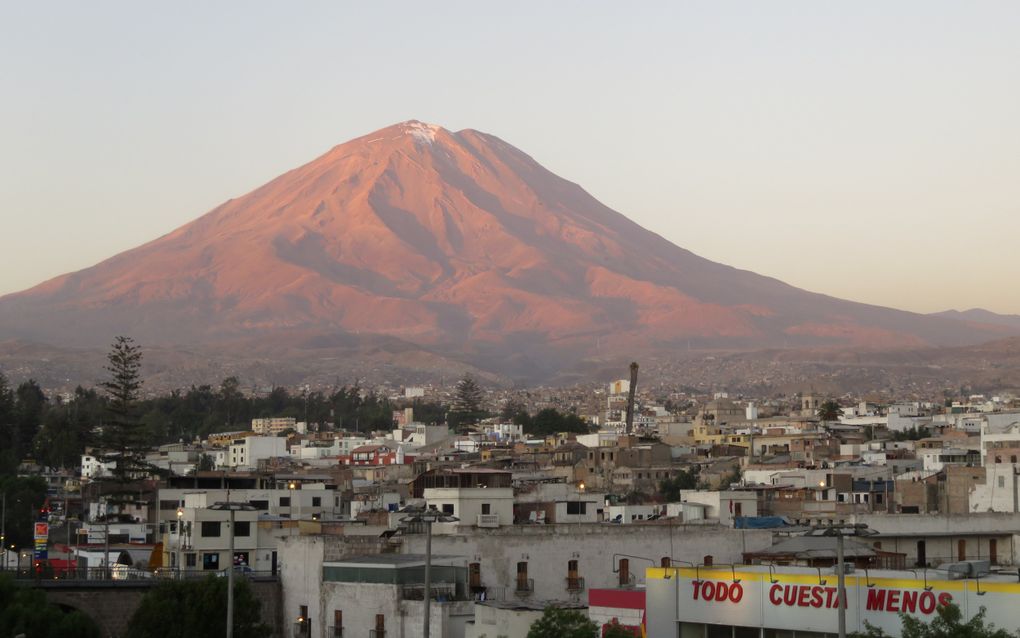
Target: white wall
x: 493, y: 622
x: 1000, y: 492
x: 548, y: 548
x: 467, y: 505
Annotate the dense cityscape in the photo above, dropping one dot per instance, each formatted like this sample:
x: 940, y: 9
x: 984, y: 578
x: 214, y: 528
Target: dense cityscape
x: 608, y: 501
x: 509, y: 320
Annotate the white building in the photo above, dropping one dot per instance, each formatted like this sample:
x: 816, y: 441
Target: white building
x: 377, y: 595
x: 627, y: 514
x: 507, y: 619
x: 474, y: 506
x: 1000, y: 491
x: 92, y: 467
x: 416, y: 435
x: 532, y: 564
x: 273, y: 426
x: 245, y: 454
x: 722, y: 506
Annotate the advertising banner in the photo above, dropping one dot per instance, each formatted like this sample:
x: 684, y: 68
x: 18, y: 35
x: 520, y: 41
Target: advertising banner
x: 801, y: 599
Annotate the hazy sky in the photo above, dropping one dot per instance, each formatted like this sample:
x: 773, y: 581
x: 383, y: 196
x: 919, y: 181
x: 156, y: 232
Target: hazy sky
x: 865, y: 150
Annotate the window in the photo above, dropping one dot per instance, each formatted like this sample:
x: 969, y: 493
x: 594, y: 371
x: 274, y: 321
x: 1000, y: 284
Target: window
x: 284, y: 501
x: 624, y: 572
x: 993, y: 551
x: 210, y: 529
x: 573, y: 580
x: 189, y: 559
x: 1002, y: 481
x: 242, y: 528
x: 304, y: 625
x: 448, y: 508
x: 380, y: 626
x: 961, y: 549
x: 522, y: 576
x: 665, y: 561
x: 577, y: 507
x: 260, y: 505
x: 486, y: 508
x: 211, y: 560
x: 475, y: 575
x: 338, y: 623
x: 316, y: 501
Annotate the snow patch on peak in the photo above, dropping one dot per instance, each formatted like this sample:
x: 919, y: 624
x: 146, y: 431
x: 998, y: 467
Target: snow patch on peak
x: 422, y: 132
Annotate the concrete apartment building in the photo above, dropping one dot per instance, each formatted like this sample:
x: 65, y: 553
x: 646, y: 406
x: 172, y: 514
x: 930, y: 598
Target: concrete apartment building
x: 326, y: 582
x: 245, y: 453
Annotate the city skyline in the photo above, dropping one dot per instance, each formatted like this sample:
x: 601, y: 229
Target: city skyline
x: 843, y: 150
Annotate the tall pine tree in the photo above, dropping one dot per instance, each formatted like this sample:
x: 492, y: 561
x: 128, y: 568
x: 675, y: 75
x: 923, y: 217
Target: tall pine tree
x: 467, y: 404
x: 122, y: 437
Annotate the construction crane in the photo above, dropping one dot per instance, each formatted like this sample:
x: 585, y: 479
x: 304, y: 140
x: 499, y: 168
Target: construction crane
x: 630, y: 396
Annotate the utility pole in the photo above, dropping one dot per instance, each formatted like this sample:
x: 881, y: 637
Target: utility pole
x: 106, y: 536
x: 839, y: 531
x: 231, y: 508
x: 428, y: 516
x: 3, y: 531
x: 230, y: 580
x: 841, y: 585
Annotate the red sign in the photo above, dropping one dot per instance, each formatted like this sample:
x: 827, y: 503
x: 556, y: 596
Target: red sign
x: 819, y: 596
x: 906, y: 600
x: 893, y: 600
x: 717, y: 590
x: 42, y: 530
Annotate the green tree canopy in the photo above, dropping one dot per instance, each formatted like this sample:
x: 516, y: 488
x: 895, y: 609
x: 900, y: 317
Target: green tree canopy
x: 615, y: 630
x: 948, y: 623
x: 551, y: 421
x: 467, y: 404
x: 829, y: 411
x: 562, y: 623
x: 25, y: 497
x: 197, y: 609
x: 24, y: 611
x: 670, y: 488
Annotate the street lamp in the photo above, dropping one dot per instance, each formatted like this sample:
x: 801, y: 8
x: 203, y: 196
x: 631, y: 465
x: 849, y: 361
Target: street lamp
x: 3, y: 529
x: 427, y: 516
x: 231, y: 508
x: 839, y: 531
x: 293, y: 485
x: 180, y: 540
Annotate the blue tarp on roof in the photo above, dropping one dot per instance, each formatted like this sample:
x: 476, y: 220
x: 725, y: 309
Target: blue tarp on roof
x: 760, y: 522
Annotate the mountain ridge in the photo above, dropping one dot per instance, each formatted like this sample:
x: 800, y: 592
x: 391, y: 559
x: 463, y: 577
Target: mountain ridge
x: 456, y: 242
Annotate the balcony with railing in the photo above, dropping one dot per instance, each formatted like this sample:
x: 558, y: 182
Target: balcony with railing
x: 627, y: 580
x: 302, y: 628
x: 524, y: 586
x: 575, y: 583
x: 377, y: 633
x: 487, y: 520
x: 437, y: 591
x: 335, y: 632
